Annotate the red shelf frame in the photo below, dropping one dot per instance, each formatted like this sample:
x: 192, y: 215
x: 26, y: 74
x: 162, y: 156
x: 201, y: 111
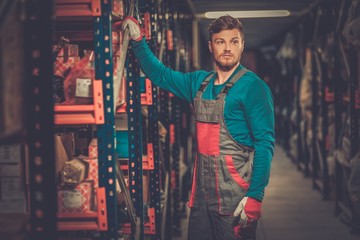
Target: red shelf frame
x: 83, y: 114
x: 96, y: 221
x: 146, y: 97
x: 148, y: 160
x: 78, y: 8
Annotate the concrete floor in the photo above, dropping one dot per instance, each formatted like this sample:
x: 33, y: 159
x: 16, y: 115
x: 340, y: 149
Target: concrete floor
x: 292, y: 210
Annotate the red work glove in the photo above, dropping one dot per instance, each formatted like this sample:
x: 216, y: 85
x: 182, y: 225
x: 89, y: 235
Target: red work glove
x: 134, y: 28
x: 249, y: 210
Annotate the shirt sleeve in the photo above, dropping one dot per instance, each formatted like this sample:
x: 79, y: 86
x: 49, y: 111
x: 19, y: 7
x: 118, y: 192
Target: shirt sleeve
x: 183, y: 85
x: 259, y: 111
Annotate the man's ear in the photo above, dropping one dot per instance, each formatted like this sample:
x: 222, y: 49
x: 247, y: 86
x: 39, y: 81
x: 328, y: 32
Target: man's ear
x: 210, y: 48
x: 243, y: 46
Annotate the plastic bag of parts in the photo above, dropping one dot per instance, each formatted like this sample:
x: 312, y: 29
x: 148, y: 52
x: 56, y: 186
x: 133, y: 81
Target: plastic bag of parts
x: 78, y: 83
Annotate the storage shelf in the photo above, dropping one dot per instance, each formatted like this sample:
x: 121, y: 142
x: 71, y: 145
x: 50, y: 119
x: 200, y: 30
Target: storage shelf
x: 78, y: 215
x: 86, y: 221
x: 74, y: 226
x: 149, y: 227
x: 147, y: 161
x: 78, y: 8
x: 83, y: 114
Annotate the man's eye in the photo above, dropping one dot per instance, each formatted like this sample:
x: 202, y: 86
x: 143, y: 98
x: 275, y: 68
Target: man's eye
x: 235, y: 42
x: 219, y: 42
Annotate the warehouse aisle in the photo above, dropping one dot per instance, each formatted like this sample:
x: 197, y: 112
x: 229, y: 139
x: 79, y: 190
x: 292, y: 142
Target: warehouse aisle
x: 292, y: 210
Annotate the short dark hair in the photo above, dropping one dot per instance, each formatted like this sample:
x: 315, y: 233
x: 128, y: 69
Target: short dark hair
x: 225, y: 22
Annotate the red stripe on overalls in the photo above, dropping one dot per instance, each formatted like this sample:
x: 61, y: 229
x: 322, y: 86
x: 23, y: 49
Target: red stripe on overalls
x: 193, y: 187
x: 217, y: 185
x: 234, y: 174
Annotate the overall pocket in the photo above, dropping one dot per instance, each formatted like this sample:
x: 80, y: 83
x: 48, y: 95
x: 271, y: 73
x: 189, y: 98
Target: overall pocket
x: 232, y: 187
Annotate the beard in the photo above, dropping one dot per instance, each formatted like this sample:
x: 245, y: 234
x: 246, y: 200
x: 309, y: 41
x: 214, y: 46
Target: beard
x: 226, y: 65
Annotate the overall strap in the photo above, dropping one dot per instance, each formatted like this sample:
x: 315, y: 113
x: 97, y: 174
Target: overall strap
x: 222, y: 94
x: 204, y: 84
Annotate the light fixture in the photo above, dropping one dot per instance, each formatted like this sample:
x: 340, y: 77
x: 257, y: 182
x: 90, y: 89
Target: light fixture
x: 249, y: 14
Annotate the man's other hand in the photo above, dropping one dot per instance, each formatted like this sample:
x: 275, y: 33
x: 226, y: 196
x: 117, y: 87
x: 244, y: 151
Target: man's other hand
x: 249, y: 210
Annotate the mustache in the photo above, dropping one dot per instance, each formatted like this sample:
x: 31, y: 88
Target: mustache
x: 227, y: 54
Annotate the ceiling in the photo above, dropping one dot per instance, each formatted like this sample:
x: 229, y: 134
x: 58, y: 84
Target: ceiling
x: 258, y: 31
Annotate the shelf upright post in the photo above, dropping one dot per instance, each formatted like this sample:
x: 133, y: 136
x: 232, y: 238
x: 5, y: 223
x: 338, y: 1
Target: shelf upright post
x: 314, y: 112
x: 338, y: 102
x: 106, y: 132
x: 165, y: 148
x: 354, y: 125
x: 135, y: 138
x: 165, y: 106
x: 154, y: 133
x: 39, y: 117
x: 322, y: 167
x: 176, y: 113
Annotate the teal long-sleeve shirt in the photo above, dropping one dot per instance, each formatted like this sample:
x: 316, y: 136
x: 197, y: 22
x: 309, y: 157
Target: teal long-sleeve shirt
x: 248, y: 111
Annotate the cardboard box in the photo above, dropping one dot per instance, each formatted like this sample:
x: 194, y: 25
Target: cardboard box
x: 11, y: 188
x: 118, y: 8
x: 70, y: 50
x: 10, y: 153
x: 10, y: 170
x: 13, y: 206
x: 68, y: 141
x: 62, y: 65
x: 93, y: 174
x: 13, y: 226
x: 93, y: 148
x: 78, y: 200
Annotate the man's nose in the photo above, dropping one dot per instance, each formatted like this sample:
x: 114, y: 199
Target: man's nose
x: 227, y: 47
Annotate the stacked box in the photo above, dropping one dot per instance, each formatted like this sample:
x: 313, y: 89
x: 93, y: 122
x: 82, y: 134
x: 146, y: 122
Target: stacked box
x: 118, y: 8
x: 78, y: 200
x: 12, y: 196
x: 93, y: 148
x: 93, y: 174
x: 10, y: 153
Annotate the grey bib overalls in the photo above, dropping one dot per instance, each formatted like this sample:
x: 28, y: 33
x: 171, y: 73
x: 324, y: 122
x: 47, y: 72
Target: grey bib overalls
x: 222, y: 170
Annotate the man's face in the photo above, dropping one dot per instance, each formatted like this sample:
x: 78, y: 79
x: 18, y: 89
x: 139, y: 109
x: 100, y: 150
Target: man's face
x: 226, y: 47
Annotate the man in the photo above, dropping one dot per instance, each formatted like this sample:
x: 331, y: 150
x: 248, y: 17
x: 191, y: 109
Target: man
x: 235, y: 132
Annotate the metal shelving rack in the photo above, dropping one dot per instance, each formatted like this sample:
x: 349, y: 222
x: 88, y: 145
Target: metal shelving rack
x: 106, y: 132
x: 135, y: 139
x: 343, y: 203
x: 98, y: 14
x: 176, y: 125
x: 40, y: 118
x: 165, y: 119
x: 155, y: 177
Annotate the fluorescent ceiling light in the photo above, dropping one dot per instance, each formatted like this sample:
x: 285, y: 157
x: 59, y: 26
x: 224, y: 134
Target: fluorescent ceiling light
x: 249, y: 14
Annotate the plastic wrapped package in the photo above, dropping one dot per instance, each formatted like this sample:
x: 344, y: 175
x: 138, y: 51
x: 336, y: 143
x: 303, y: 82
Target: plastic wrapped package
x: 78, y: 83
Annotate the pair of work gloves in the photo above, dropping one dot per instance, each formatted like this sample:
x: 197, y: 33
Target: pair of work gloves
x: 249, y: 209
